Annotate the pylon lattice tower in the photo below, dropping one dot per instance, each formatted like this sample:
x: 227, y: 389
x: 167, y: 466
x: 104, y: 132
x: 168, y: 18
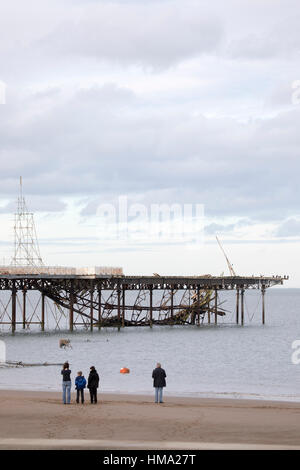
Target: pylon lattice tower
x: 26, y: 247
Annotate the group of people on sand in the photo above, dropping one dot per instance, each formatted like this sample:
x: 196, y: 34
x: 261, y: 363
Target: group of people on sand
x: 80, y: 384
x: 158, y: 375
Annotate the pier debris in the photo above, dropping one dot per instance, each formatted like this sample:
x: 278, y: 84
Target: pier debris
x: 11, y: 364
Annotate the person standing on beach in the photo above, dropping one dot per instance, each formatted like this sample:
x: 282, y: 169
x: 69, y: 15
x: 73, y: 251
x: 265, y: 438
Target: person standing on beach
x: 93, y: 383
x: 80, y: 384
x: 66, y: 384
x: 159, y: 381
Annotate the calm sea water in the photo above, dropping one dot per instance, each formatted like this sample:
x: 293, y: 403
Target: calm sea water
x: 226, y: 360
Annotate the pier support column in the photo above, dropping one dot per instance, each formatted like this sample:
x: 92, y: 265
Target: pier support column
x: 13, y: 307
x: 24, y: 309
x: 151, y: 305
x: 71, y: 309
x: 172, y: 304
x: 123, y: 307
x: 237, y: 305
x: 119, y: 308
x: 43, y: 312
x: 216, y: 306
x: 198, y: 306
x: 242, y: 306
x: 92, y: 309
x: 208, y: 312
x: 99, y: 308
x: 263, y: 291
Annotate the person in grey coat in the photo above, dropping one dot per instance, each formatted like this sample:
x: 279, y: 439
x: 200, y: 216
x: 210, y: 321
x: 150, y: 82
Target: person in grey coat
x: 159, y: 381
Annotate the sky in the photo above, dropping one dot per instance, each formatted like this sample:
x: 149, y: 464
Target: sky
x: 187, y: 104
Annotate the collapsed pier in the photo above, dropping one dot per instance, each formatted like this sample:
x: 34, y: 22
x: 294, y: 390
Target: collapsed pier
x: 97, y: 301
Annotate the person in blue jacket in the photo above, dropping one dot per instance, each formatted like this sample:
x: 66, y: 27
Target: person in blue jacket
x: 80, y: 384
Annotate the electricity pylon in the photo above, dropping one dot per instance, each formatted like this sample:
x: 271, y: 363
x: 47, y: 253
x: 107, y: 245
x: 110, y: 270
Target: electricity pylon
x: 26, y: 247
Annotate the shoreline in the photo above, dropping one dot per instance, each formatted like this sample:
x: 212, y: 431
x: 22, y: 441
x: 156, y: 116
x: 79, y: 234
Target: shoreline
x: 122, y: 421
x: 200, y: 395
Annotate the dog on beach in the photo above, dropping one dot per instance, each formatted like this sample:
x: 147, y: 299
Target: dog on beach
x: 65, y: 343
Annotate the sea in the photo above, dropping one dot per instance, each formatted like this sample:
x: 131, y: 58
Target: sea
x: 225, y: 360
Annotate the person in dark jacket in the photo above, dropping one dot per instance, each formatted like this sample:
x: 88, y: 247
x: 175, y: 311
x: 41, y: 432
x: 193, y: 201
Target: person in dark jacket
x: 93, y: 383
x: 159, y: 381
x: 66, y: 384
x: 80, y: 384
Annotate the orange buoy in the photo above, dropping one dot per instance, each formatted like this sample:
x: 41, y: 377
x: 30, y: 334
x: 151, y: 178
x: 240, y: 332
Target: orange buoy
x: 124, y: 370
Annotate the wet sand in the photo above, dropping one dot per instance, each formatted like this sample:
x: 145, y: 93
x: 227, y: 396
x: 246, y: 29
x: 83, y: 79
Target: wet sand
x: 39, y: 420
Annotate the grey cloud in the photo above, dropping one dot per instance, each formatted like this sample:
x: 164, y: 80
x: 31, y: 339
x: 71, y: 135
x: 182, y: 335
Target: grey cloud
x: 155, y: 35
x: 35, y: 204
x: 281, y: 96
x: 84, y: 146
x: 106, y: 140
x: 289, y: 228
x: 109, y: 95
x: 214, y: 229
x: 46, y: 93
x: 279, y: 38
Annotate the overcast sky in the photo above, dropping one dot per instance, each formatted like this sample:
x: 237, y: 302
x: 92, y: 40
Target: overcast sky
x: 164, y: 101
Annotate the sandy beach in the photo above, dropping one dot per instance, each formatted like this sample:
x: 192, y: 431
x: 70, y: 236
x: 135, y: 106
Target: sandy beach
x: 38, y: 420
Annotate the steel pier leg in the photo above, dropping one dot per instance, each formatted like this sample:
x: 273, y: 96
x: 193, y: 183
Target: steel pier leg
x: 198, y: 306
x: 13, y: 308
x: 242, y: 306
x: 119, y: 309
x: 237, y: 305
x: 216, y: 306
x: 172, y: 304
x: 151, y: 304
x: 71, y: 310
x: 24, y: 309
x: 123, y: 307
x: 92, y: 309
x: 99, y: 309
x: 43, y: 312
x: 263, y: 290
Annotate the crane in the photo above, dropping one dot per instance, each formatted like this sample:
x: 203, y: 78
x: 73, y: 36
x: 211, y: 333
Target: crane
x: 230, y: 267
